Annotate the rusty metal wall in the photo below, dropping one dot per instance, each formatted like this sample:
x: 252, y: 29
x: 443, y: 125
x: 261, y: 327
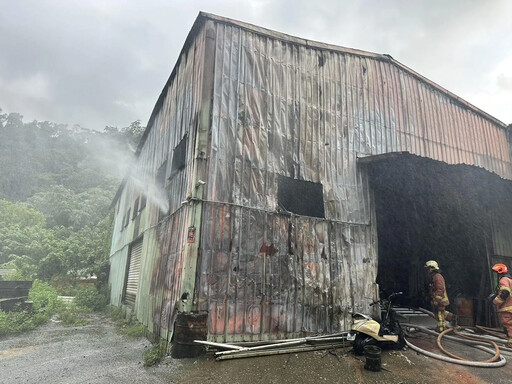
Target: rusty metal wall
x: 162, y: 223
x: 267, y: 276
x: 285, y: 107
x: 264, y: 274
x: 376, y: 104
x: 281, y: 106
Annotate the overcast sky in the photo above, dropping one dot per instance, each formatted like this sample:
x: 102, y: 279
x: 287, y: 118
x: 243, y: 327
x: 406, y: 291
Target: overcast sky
x: 98, y: 63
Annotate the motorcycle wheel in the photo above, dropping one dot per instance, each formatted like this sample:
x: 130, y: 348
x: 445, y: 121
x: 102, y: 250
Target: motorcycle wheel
x: 401, y: 342
x: 362, y: 341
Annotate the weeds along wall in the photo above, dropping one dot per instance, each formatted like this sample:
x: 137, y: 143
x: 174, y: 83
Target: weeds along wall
x: 270, y: 224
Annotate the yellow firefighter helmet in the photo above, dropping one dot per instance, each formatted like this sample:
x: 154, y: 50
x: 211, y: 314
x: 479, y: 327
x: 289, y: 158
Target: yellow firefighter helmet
x: 432, y: 264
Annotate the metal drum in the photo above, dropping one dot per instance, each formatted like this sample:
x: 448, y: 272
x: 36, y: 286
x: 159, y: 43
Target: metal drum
x: 189, y: 327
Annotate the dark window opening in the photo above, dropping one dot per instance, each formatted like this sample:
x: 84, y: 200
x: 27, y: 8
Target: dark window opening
x: 160, y: 175
x: 127, y: 218
x: 135, y: 208
x: 142, y: 202
x: 179, y: 156
x: 300, y: 197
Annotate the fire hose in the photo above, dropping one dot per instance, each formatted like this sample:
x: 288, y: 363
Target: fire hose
x: 496, y: 348
x: 496, y: 361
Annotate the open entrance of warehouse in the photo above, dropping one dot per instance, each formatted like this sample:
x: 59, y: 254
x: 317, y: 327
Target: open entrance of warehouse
x: 427, y: 209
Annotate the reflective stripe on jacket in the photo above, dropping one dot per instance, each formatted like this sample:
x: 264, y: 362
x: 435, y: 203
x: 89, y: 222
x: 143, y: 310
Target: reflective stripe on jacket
x: 504, y: 305
x: 438, y: 291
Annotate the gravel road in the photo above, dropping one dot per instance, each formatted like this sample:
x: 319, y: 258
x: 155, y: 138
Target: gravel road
x: 99, y: 353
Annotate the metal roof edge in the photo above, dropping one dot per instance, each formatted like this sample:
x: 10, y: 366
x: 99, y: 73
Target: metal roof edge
x: 199, y: 22
x: 352, y: 51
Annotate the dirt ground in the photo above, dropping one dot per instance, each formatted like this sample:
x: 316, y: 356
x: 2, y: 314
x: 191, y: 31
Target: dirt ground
x: 98, y: 353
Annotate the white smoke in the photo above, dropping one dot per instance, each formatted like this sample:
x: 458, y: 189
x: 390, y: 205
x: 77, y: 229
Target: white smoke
x: 118, y: 161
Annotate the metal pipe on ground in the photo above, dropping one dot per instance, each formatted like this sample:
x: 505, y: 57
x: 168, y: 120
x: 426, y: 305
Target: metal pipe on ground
x: 248, y: 344
x: 266, y: 342
x: 218, y: 345
x: 244, y: 354
x: 427, y: 312
x: 304, y: 340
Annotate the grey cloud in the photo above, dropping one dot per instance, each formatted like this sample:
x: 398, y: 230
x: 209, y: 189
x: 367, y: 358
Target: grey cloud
x: 105, y: 63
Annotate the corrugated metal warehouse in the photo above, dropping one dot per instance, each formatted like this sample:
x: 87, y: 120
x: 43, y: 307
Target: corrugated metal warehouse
x: 281, y: 183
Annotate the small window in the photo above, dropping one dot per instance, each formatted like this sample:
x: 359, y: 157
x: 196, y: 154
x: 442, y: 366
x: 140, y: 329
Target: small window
x: 142, y: 202
x: 160, y: 175
x: 300, y: 197
x: 127, y: 217
x: 135, y: 208
x: 179, y: 156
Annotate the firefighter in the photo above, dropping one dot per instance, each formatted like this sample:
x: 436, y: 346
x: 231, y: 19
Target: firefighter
x: 438, y: 294
x: 502, y: 299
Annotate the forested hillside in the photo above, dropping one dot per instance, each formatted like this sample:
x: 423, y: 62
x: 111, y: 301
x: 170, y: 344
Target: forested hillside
x: 56, y: 186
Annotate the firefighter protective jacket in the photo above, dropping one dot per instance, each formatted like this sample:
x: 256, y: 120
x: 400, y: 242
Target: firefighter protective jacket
x: 502, y: 300
x: 438, y: 291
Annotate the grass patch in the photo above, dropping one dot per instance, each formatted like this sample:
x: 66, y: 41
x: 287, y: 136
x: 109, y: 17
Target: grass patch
x: 135, y: 330
x: 17, y: 322
x: 47, y: 304
x: 154, y: 355
x: 69, y: 317
x: 118, y: 315
x: 126, y: 325
x: 90, y: 299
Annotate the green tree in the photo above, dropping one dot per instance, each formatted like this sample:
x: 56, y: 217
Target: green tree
x: 24, y: 239
x: 57, y: 184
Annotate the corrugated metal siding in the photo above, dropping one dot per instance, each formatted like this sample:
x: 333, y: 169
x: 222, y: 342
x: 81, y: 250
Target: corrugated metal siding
x: 281, y: 108
x: 276, y: 112
x: 159, y: 292
x: 284, y: 106
x: 162, y: 249
x: 132, y: 279
x: 266, y: 275
x: 118, y: 262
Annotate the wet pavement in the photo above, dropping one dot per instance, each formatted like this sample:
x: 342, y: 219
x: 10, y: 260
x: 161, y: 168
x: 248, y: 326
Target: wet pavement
x: 99, y: 353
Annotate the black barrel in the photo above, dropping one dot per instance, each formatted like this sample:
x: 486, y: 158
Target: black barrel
x: 373, y: 361
x: 187, y: 328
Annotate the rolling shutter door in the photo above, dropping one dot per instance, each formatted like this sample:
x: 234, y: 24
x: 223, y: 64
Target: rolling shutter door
x: 132, y: 281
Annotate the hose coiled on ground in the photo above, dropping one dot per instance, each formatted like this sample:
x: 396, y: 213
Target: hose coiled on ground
x: 496, y: 348
x: 501, y: 361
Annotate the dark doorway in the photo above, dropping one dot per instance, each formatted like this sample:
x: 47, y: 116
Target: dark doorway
x: 427, y: 209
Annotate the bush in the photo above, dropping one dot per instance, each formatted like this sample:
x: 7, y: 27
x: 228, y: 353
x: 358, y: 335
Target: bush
x: 45, y: 297
x: 118, y: 314
x: 17, y: 322
x: 45, y: 304
x: 155, y: 354
x: 90, y: 299
x: 69, y: 317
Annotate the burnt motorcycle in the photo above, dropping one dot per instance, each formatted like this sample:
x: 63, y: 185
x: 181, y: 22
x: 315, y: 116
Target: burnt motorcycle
x: 385, y: 333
